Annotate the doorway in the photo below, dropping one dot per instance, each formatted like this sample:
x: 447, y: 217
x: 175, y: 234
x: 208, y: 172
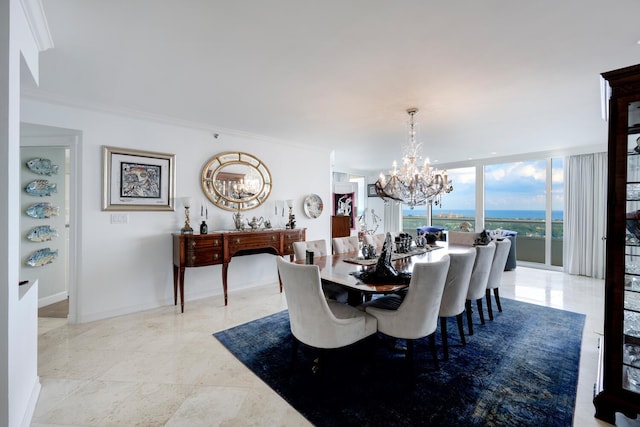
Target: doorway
x: 57, y: 147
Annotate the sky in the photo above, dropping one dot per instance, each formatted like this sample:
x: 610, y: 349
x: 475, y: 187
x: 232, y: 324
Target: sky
x: 508, y: 186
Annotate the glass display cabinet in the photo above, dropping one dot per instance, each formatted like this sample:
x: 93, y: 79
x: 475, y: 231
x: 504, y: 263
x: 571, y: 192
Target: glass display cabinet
x: 618, y: 387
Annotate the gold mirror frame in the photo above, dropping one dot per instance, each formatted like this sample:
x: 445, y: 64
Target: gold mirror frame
x: 236, y: 181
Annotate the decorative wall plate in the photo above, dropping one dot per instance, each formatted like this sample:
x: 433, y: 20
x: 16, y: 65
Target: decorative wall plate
x: 42, y: 257
x: 313, y: 205
x: 42, y: 166
x: 41, y: 187
x: 42, y: 233
x: 43, y: 210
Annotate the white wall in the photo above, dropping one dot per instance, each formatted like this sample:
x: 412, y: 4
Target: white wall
x: 124, y: 268
x: 19, y: 383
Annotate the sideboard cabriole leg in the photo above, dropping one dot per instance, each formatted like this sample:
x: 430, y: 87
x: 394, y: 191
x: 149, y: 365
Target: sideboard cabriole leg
x: 175, y: 284
x: 225, y: 268
x: 182, y: 289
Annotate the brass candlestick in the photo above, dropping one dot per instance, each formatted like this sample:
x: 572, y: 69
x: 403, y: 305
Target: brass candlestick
x: 186, y: 201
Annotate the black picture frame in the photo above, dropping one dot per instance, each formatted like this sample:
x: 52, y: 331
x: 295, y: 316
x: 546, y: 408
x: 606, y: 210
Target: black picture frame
x: 371, y: 190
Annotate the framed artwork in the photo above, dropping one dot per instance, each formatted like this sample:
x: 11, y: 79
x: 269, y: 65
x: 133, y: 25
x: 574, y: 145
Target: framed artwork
x: 135, y: 180
x: 371, y: 190
x: 343, y: 205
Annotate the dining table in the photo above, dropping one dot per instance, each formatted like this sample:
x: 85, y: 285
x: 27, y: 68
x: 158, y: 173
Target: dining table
x: 343, y: 269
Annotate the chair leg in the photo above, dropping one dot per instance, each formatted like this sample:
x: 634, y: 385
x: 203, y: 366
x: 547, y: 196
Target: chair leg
x: 461, y: 329
x: 489, y: 308
x: 409, y: 353
x: 434, y: 351
x: 294, y: 350
x: 319, y: 363
x: 496, y: 294
x: 469, y: 321
x: 480, y: 311
x: 443, y: 333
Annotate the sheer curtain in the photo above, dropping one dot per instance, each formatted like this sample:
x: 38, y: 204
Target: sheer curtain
x: 392, y: 218
x: 585, y: 214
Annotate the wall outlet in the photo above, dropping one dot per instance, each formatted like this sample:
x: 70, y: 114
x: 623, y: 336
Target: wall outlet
x: 119, y: 218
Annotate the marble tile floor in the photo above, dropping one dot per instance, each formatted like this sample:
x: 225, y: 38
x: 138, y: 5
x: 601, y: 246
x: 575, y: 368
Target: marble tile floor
x: 164, y: 368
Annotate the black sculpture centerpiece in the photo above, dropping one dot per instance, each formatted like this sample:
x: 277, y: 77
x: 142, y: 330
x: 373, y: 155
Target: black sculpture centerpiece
x: 383, y: 272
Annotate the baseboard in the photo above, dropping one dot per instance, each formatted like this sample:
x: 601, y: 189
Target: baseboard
x: 52, y: 299
x: 31, y: 404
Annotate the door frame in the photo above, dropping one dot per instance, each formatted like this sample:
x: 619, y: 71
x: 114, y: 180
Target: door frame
x: 35, y: 135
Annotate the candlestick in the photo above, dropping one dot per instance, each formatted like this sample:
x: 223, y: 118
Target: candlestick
x: 186, y: 201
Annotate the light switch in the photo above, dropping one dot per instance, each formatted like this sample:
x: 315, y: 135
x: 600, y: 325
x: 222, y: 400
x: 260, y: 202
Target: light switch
x: 119, y: 218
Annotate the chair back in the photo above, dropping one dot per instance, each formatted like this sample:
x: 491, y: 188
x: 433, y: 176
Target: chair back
x: 499, y: 262
x: 457, y: 283
x: 313, y: 321
x: 308, y: 309
x: 343, y: 245
x: 376, y: 240
x: 417, y: 316
x: 319, y: 248
x: 462, y: 238
x: 481, y: 270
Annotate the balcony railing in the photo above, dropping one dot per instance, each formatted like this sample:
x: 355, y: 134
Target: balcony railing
x: 530, y: 243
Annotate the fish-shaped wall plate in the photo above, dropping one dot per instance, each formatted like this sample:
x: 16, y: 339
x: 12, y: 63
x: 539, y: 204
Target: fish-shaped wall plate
x: 42, y: 210
x: 42, y: 257
x: 41, y: 188
x: 42, y: 167
x: 42, y: 233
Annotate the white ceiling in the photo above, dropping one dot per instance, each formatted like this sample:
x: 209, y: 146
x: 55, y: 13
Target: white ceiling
x: 490, y: 77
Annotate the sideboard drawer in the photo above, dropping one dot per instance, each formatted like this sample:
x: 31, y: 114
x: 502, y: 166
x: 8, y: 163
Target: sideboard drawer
x: 203, y: 241
x: 291, y: 236
x: 252, y: 240
x: 201, y: 250
x: 203, y: 256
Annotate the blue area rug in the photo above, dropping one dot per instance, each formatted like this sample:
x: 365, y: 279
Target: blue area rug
x: 519, y: 370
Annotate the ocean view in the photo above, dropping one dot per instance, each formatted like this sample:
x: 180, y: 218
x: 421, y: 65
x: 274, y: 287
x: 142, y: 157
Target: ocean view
x: 489, y: 214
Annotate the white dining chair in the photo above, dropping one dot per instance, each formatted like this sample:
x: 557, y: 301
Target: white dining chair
x: 455, y: 294
x: 461, y: 238
x: 377, y: 240
x: 415, y: 316
x: 343, y: 245
x: 316, y: 321
x: 478, y: 281
x: 319, y: 248
x: 495, y: 276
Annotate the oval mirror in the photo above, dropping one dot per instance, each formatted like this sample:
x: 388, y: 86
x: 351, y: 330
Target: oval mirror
x: 236, y: 181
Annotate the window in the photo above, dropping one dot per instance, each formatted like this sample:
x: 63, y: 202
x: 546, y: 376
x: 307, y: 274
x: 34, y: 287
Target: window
x: 459, y: 206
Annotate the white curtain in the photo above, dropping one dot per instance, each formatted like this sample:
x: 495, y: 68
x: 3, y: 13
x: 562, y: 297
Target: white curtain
x: 392, y: 218
x: 585, y: 214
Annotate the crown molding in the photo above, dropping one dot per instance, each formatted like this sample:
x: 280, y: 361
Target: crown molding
x: 37, y: 21
x: 38, y: 95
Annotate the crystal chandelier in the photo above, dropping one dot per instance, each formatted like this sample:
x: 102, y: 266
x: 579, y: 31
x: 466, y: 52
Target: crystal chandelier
x: 413, y: 184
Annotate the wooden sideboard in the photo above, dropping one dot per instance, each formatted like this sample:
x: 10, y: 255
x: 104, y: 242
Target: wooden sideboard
x: 199, y: 250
